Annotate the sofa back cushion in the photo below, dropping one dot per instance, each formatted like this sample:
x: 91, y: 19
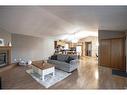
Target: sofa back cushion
x: 74, y: 56
x: 69, y: 59
x: 54, y: 57
x: 62, y: 57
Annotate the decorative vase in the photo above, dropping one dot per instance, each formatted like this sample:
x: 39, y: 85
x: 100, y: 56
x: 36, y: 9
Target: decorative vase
x: 10, y: 44
x: 29, y: 62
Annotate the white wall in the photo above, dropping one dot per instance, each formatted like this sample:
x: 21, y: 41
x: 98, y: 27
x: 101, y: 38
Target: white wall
x: 6, y: 36
x: 31, y: 48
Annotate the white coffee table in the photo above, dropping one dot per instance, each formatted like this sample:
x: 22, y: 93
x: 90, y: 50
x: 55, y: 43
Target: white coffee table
x: 43, y: 69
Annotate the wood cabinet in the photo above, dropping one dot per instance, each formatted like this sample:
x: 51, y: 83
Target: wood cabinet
x: 105, y: 53
x: 59, y: 43
x: 112, y: 53
x: 118, y: 54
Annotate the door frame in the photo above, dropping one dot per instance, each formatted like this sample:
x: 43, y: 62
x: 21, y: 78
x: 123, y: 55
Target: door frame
x: 86, y: 48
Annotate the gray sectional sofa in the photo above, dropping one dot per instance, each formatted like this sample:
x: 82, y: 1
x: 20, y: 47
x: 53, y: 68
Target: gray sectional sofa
x: 63, y: 63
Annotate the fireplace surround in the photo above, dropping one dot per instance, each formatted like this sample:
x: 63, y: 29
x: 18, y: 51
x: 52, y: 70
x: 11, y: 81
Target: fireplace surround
x: 3, y: 59
x: 5, y: 56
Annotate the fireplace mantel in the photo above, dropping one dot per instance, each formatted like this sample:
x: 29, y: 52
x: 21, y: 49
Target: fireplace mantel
x: 8, y: 50
x: 4, y: 47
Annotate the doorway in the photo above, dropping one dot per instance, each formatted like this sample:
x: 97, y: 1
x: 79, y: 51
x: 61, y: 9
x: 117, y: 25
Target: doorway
x: 79, y: 50
x: 88, y: 48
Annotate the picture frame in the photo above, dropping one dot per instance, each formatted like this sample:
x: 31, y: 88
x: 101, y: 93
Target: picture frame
x: 1, y: 42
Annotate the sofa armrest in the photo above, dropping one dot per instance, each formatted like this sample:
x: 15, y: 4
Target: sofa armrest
x: 74, y: 61
x: 73, y: 65
x: 49, y: 58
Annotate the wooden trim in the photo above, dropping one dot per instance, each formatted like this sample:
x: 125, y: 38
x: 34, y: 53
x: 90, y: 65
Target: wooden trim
x: 5, y: 47
x: 112, y: 38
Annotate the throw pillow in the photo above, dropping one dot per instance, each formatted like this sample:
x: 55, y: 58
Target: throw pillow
x: 54, y: 57
x: 69, y: 59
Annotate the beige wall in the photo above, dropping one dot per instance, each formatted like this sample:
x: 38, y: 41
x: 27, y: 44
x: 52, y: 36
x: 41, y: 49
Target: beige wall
x: 28, y: 47
x: 31, y: 48
x: 94, y: 41
x: 6, y: 36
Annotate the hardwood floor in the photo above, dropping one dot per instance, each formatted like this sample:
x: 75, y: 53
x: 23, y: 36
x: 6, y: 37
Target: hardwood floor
x: 87, y: 76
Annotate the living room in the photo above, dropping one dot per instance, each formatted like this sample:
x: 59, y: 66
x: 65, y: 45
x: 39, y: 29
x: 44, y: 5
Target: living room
x: 68, y: 38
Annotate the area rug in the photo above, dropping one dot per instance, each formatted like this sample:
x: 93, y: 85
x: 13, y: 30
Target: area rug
x: 119, y: 73
x: 49, y: 80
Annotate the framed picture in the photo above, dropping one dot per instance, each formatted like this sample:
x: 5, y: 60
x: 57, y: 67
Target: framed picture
x: 1, y: 42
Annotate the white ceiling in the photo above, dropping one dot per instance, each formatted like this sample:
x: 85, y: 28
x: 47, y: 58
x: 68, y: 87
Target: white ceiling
x: 61, y: 20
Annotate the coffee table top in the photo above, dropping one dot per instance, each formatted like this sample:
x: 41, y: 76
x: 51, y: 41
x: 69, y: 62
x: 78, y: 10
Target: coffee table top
x: 42, y: 66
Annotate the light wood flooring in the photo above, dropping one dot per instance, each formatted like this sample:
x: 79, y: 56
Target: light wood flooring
x: 88, y: 76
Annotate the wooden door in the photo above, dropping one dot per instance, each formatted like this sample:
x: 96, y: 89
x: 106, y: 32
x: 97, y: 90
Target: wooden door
x: 117, y: 54
x: 105, y: 53
x: 55, y: 44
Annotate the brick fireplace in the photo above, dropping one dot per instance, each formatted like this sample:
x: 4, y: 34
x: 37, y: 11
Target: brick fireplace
x: 5, y: 56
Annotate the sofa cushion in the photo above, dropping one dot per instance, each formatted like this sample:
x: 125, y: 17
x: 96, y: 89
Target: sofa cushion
x: 52, y: 61
x: 56, y: 62
x: 54, y: 57
x: 74, y: 56
x: 62, y: 57
x: 69, y: 59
